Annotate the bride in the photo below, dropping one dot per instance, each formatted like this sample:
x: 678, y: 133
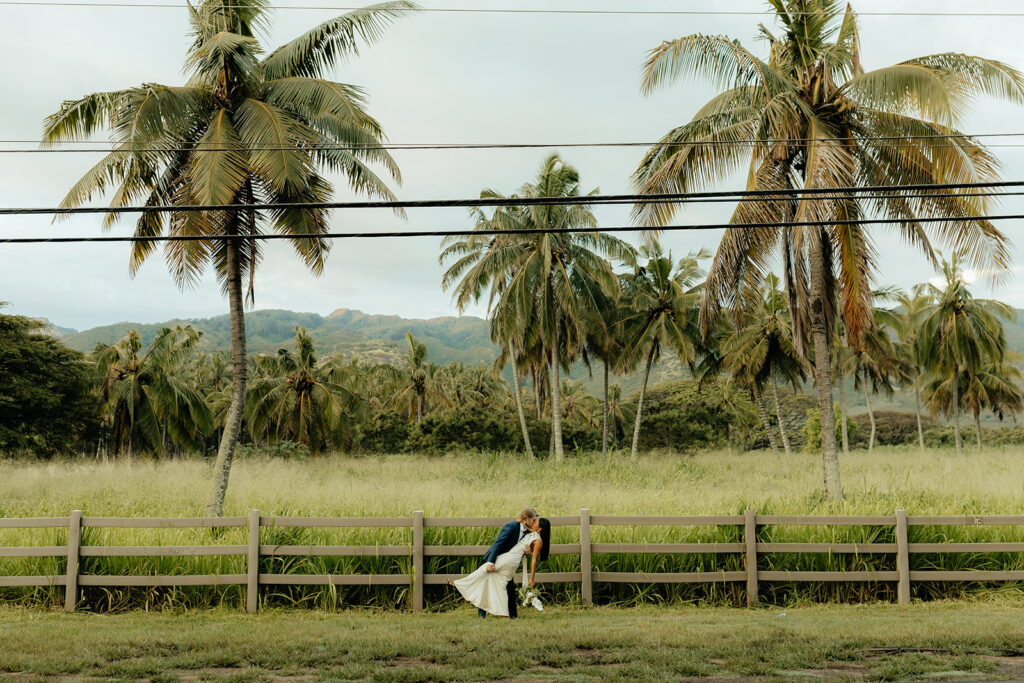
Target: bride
x: 485, y: 587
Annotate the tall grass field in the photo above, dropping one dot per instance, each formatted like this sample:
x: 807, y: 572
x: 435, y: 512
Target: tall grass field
x: 937, y: 482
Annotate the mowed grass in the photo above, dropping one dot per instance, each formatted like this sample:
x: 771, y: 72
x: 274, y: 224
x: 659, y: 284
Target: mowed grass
x: 938, y: 482
x: 938, y: 641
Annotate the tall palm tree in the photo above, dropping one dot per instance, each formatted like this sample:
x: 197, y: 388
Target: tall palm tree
x: 478, y: 261
x: 552, y: 276
x: 303, y: 399
x: 821, y: 121
x: 961, y: 335
x: 409, y: 382
x: 146, y: 397
x: 762, y: 351
x: 661, y: 298
x: 906, y: 319
x: 620, y: 414
x: 995, y: 387
x: 247, y: 127
x: 604, y: 342
x: 874, y: 366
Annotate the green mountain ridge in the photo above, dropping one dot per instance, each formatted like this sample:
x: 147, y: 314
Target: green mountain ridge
x: 373, y: 338
x: 381, y: 339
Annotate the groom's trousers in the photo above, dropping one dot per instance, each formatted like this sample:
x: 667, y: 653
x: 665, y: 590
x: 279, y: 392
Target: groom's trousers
x: 513, y: 599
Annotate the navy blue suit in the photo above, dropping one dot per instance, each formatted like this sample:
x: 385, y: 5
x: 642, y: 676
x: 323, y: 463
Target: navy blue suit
x: 507, y: 538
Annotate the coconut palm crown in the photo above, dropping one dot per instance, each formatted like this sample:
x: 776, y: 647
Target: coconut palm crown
x: 810, y: 117
x: 247, y: 127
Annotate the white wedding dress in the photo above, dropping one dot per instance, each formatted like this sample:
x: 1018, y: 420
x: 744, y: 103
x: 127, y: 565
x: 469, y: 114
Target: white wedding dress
x: 486, y: 590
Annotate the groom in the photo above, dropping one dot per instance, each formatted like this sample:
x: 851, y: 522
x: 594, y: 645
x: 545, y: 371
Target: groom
x: 510, y: 534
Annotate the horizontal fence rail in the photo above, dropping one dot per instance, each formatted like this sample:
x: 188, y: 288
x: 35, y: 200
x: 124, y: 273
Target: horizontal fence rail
x: 746, y: 526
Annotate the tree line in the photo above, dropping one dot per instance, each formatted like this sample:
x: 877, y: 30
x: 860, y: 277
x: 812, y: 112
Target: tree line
x: 938, y: 342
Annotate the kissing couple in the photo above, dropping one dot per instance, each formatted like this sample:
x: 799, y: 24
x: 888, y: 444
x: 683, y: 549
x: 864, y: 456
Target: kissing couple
x: 492, y: 588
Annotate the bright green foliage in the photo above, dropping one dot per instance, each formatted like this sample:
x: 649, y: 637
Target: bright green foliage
x: 148, y: 400
x: 47, y: 401
x: 812, y: 428
x: 296, y: 397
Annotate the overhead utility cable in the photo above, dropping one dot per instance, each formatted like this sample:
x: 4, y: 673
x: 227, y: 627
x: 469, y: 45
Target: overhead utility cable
x: 583, y: 200
x: 216, y: 147
x: 523, y: 231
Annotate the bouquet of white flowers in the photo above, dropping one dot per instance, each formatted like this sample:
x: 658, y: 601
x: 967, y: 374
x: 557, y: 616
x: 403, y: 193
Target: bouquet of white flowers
x: 531, y: 597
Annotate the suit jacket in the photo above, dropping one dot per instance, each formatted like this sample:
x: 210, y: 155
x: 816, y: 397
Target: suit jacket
x: 507, y: 538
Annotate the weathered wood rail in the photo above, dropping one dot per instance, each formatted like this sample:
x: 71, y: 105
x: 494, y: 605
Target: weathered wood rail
x: 750, y: 549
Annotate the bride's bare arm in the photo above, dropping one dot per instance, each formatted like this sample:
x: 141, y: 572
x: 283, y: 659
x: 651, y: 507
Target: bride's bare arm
x: 533, y: 564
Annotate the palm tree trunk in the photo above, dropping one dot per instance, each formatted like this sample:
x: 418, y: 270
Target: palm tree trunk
x: 778, y: 414
x: 956, y: 410
x: 822, y: 371
x: 871, y: 418
x: 419, y: 408
x: 917, y: 411
x: 536, y: 393
x: 604, y: 432
x: 640, y: 405
x: 765, y: 420
x: 519, y: 402
x: 842, y: 416
x: 556, y: 402
x: 977, y: 425
x: 236, y: 408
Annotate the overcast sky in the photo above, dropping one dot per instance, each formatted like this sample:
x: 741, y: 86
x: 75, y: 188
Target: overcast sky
x: 434, y: 78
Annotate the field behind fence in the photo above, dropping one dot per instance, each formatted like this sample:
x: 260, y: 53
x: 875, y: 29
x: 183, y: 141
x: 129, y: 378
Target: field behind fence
x: 109, y: 563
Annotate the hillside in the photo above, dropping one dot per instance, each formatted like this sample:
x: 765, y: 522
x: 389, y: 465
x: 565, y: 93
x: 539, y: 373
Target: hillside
x: 377, y: 338
x: 373, y: 338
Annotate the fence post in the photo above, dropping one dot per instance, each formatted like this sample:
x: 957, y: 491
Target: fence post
x: 750, y: 556
x: 252, y: 590
x: 902, y: 559
x: 417, y: 561
x: 74, y: 544
x: 586, y: 566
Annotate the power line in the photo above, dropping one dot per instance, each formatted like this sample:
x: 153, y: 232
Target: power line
x: 734, y: 195
x: 216, y: 147
x: 481, y: 10
x: 521, y: 231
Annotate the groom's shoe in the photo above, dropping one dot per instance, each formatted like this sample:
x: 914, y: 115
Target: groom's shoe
x: 480, y: 613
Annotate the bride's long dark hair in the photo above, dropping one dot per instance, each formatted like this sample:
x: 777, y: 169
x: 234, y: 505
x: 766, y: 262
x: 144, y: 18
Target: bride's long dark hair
x: 545, y: 539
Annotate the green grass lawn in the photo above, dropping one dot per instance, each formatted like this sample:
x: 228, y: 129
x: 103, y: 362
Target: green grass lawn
x: 935, y: 641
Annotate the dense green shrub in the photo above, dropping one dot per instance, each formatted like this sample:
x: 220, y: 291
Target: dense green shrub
x: 892, y: 428
x: 940, y: 436
x: 812, y: 428
x: 387, y: 433
x: 680, y: 416
x: 474, y: 428
x: 47, y: 404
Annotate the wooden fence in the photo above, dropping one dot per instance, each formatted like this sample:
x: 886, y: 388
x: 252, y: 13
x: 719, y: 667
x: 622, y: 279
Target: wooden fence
x: 749, y: 549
